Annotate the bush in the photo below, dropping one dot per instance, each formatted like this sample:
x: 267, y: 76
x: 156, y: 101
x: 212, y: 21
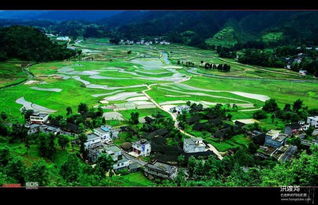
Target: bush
x: 260, y: 114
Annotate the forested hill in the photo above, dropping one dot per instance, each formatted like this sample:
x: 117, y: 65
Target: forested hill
x: 27, y: 43
x: 213, y: 27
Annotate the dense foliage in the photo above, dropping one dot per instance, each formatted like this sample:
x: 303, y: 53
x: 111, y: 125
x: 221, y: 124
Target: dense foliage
x: 27, y: 43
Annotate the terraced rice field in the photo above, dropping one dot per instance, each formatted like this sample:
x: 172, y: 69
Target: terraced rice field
x: 142, y: 81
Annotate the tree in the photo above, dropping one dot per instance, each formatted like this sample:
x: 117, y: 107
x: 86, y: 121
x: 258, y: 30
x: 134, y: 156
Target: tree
x: 38, y: 172
x: 70, y: 170
x: 16, y: 169
x: 134, y: 118
x: 287, y: 108
x: 19, y: 131
x: 310, y: 130
x: 69, y: 111
x: 47, y: 145
x: 4, y: 131
x: 260, y: 114
x: 273, y: 117
x: 297, y: 105
x: 270, y: 106
x: 3, y: 116
x: 27, y: 114
x: 104, y: 164
x: 82, y: 108
x: 83, y: 138
x: 63, y: 141
x: 4, y: 155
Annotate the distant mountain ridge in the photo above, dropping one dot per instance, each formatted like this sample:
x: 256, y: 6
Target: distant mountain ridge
x: 251, y: 25
x: 58, y: 15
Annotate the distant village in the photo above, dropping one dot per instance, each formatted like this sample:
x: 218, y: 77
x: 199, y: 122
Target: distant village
x: 144, y: 42
x: 298, y: 59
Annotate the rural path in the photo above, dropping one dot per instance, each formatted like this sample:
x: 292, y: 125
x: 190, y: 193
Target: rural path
x: 174, y: 118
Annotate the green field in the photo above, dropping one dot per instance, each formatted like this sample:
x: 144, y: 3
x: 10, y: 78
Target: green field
x: 114, y: 72
x: 11, y: 73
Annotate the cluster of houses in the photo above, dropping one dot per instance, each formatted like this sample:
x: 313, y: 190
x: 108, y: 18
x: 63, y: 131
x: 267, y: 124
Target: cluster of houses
x: 273, y: 143
x: 63, y: 38
x: 143, y: 42
x: 128, y: 158
x: 38, y: 122
x: 298, y: 59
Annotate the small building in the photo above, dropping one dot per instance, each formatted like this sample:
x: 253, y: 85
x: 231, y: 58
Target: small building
x: 265, y: 152
x: 257, y: 137
x: 292, y: 129
x: 313, y: 121
x: 274, y: 138
x: 92, y: 141
x: 303, y: 72
x: 134, y: 167
x: 103, y: 132
x: 39, y: 117
x: 113, y: 151
x: 287, y: 152
x: 161, y: 170
x: 121, y: 163
x: 33, y: 128
x: 49, y: 129
x: 142, y: 147
x: 180, y: 108
x: 194, y: 145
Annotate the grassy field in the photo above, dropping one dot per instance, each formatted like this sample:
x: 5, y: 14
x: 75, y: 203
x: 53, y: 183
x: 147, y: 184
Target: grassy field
x: 133, y: 179
x: 11, y: 73
x: 283, y: 91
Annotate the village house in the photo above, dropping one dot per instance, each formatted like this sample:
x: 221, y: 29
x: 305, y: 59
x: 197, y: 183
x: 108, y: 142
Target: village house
x: 36, y: 128
x: 194, y: 145
x: 180, y: 108
x: 106, y: 133
x: 120, y: 161
x: 303, y: 72
x: 103, y: 133
x: 161, y: 170
x: 285, y: 153
x: 274, y: 138
x: 293, y: 128
x: 39, y: 117
x: 141, y: 147
x: 93, y: 140
x: 257, y: 137
x: 32, y: 128
x: 265, y: 152
x: 313, y: 121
